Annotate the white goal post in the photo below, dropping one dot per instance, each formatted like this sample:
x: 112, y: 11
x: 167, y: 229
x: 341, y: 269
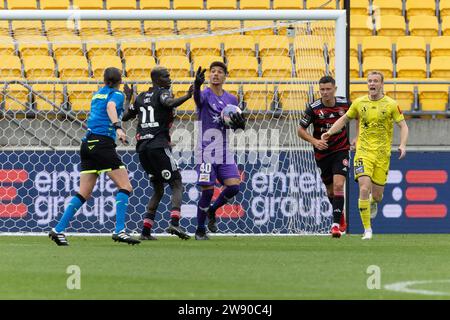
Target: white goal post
x: 39, y: 148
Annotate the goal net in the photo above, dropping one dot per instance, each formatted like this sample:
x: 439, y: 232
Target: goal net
x: 51, y: 68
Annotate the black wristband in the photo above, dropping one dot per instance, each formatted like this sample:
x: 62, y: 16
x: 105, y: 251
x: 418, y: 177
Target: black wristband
x: 117, y: 125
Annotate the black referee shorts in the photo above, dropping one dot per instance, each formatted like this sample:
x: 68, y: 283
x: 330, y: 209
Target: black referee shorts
x: 159, y: 164
x: 98, y: 154
x: 335, y: 163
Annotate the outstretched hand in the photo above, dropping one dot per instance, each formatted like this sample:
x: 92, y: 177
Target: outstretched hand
x: 238, y: 120
x: 199, y: 77
x: 128, y: 92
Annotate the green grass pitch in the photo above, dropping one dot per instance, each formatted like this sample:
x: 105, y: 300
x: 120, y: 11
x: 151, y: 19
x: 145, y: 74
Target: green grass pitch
x: 309, y: 267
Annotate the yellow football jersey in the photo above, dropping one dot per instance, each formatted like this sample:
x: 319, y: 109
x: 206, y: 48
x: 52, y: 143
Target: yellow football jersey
x: 376, y: 124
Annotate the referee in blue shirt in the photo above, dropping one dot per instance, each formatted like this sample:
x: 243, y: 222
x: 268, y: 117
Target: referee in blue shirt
x: 98, y: 154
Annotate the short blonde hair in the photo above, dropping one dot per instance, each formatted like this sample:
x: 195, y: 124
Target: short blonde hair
x: 376, y: 72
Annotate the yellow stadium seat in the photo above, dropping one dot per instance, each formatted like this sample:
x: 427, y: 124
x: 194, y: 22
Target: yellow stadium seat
x: 59, y: 28
x: 218, y: 25
x: 266, y: 25
x: 411, y: 67
x: 101, y: 45
x: 440, y: 67
x: 54, y: 4
x: 188, y: 4
x: 88, y: 4
x: 433, y: 97
x: 439, y: 46
x: 180, y: 90
x: 376, y: 46
x: 209, y: 46
x: 100, y: 63
x: 232, y: 89
x: 411, y: 46
x: 353, y: 47
x: 89, y: 28
x: 156, y: 28
x: 273, y: 46
x: 80, y: 96
x: 287, y: 4
x: 383, y: 64
x: 2, y: 5
x: 155, y: 4
x: 402, y: 93
x: 390, y: 26
x: 178, y: 66
x: 138, y: 46
x: 33, y: 45
x: 359, y: 7
x: 39, y: 67
x: 258, y: 97
x: 67, y: 46
x: 446, y: 26
x: 72, y: 67
x: 53, y: 94
x: 22, y: 4
x: 241, y: 68
x: 361, y: 26
x: 15, y: 96
x: 312, y: 68
x: 139, y: 67
x: 425, y: 26
x: 358, y: 90
x: 26, y: 28
x: 4, y: 28
x: 420, y: 8
x: 308, y: 46
x: 293, y: 97
x: 320, y: 4
x: 122, y: 28
x: 255, y: 5
x: 192, y: 27
x: 6, y: 46
x: 205, y: 62
x: 170, y: 48
x: 238, y: 45
x: 444, y: 7
x: 276, y: 67
x: 10, y: 67
x: 120, y: 5
x: 221, y: 5
x: 387, y: 7
x: 354, y: 67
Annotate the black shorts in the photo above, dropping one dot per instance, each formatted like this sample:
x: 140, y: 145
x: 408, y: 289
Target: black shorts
x: 336, y: 163
x: 159, y: 164
x: 98, y: 154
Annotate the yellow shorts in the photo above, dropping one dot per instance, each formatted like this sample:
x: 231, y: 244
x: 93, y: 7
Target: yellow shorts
x: 376, y: 169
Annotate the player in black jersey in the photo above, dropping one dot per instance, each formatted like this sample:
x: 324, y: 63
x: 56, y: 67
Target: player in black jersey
x: 332, y: 157
x: 155, y: 110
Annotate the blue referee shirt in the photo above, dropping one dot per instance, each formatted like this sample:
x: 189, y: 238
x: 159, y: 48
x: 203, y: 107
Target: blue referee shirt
x: 98, y: 121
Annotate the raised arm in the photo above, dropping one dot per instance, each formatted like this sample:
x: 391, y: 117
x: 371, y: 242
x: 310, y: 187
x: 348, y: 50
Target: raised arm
x: 199, y: 80
x: 169, y: 101
x: 129, y: 112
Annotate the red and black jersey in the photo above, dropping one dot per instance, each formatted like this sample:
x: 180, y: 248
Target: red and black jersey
x: 323, y: 118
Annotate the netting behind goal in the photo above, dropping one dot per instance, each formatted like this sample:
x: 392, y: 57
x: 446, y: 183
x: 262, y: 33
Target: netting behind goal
x: 50, y: 70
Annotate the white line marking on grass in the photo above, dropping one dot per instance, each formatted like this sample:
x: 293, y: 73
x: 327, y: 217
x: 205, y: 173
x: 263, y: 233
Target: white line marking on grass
x: 404, y: 287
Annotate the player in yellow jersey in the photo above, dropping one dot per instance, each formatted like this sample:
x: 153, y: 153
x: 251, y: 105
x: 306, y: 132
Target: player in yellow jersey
x: 376, y: 113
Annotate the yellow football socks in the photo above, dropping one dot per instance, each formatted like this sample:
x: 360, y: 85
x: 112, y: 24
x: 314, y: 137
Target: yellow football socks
x: 364, y: 211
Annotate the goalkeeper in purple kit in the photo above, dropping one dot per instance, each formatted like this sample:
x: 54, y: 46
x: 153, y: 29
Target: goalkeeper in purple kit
x: 214, y: 160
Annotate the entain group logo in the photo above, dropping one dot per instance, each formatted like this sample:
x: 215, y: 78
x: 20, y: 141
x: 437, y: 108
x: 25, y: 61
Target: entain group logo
x: 421, y: 193
x: 8, y: 193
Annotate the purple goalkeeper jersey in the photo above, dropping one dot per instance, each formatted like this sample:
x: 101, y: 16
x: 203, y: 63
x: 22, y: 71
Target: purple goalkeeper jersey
x: 213, y: 145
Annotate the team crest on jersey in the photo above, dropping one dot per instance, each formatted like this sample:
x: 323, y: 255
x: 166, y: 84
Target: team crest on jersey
x: 341, y: 112
x: 321, y: 115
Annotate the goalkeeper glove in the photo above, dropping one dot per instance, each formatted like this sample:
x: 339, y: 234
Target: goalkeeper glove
x: 237, y: 121
x: 199, y: 77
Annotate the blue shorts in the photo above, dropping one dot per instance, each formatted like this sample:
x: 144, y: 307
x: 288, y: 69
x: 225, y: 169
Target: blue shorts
x: 208, y: 173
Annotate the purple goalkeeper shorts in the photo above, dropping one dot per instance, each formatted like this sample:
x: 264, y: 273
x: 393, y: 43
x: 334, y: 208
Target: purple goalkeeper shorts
x: 208, y: 173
